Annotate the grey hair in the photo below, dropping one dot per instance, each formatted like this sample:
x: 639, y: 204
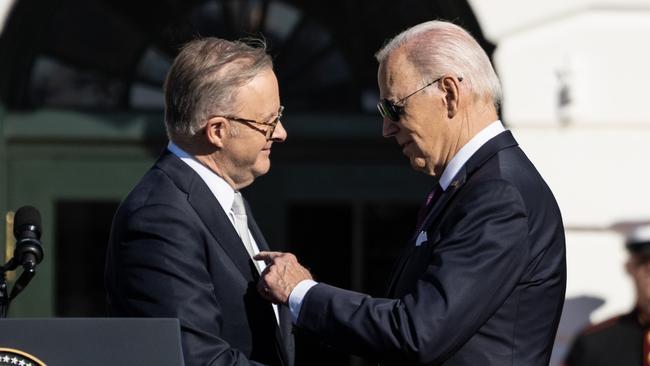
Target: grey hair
x: 204, y: 80
x: 436, y: 48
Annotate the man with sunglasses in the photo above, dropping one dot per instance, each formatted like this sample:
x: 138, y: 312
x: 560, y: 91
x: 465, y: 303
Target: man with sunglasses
x: 182, y: 242
x: 482, y: 280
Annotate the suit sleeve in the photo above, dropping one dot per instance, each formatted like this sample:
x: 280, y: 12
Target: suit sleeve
x: 161, y: 272
x: 475, y: 266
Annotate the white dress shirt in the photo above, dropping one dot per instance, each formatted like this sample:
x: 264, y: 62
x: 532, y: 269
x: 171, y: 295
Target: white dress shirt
x: 462, y: 156
x: 222, y: 191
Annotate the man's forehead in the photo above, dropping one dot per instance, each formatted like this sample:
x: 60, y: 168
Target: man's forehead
x: 258, y: 98
x: 395, y: 72
x: 386, y: 76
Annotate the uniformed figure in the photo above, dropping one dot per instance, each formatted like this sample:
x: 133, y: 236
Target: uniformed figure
x: 623, y: 340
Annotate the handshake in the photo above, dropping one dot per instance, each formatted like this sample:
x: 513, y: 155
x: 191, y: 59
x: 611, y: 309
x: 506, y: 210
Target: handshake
x: 281, y: 275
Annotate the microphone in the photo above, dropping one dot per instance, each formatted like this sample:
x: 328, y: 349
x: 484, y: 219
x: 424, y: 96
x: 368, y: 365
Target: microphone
x: 28, y: 253
x: 27, y: 230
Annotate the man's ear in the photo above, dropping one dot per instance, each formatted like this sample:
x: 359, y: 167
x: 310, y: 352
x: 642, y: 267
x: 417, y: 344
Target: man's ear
x: 216, y: 130
x: 450, y: 86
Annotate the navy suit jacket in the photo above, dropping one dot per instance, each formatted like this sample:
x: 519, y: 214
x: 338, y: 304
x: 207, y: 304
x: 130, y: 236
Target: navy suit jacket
x: 173, y: 252
x: 486, y: 288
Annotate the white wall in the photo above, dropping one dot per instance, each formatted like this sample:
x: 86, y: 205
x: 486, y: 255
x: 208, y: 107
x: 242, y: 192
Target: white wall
x: 601, y: 54
x: 501, y: 19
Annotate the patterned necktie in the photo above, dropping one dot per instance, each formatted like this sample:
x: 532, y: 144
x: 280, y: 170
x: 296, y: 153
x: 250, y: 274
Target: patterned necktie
x: 241, y: 225
x: 428, y: 203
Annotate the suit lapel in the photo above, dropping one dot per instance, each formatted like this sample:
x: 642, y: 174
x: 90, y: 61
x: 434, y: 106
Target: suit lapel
x: 284, y: 334
x: 217, y: 222
x: 439, y: 204
x: 430, y: 217
x: 209, y: 210
x: 255, y: 230
x: 482, y: 155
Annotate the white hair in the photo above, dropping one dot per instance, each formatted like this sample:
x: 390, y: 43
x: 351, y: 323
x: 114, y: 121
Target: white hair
x: 437, y: 48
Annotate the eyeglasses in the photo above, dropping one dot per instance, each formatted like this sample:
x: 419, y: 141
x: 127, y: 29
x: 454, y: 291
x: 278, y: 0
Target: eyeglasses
x: 394, y: 110
x: 268, y: 132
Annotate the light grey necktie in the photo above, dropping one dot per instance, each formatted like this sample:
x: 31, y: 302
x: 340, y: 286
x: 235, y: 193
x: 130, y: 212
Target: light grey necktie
x: 241, y: 225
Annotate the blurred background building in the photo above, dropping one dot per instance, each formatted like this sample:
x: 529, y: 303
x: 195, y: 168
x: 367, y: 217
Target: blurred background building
x: 81, y: 121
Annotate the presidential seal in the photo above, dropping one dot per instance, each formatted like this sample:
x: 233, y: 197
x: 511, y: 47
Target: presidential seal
x: 14, y: 357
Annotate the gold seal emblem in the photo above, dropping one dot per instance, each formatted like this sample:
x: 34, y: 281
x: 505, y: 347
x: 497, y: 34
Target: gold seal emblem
x: 14, y: 357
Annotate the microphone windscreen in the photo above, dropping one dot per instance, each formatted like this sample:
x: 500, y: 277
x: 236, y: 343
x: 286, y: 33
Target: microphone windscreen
x: 27, y: 216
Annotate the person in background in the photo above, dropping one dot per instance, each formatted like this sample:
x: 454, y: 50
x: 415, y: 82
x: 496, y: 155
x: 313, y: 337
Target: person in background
x: 182, y: 241
x: 623, y: 340
x: 482, y: 280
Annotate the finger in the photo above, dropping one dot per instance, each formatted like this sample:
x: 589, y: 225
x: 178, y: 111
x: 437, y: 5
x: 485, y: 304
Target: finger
x: 264, y: 273
x: 267, y: 257
x: 266, y: 296
x: 263, y: 289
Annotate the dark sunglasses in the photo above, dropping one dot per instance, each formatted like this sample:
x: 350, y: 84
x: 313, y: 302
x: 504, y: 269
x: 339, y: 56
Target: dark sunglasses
x: 394, y: 110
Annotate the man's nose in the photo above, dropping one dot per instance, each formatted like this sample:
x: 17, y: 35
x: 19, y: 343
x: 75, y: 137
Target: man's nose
x: 389, y: 128
x: 279, y: 134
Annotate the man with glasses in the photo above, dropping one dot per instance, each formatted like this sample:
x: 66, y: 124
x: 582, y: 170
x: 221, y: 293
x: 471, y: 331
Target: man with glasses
x: 482, y: 280
x: 182, y: 242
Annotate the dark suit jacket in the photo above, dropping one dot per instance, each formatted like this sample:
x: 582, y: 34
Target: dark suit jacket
x: 174, y: 253
x: 487, y: 288
x: 620, y: 341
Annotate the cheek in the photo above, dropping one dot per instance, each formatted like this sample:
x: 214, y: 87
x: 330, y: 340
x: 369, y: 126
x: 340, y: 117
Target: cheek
x: 262, y: 157
x: 425, y: 132
x: 253, y: 147
x: 262, y: 164
x: 245, y: 152
x: 642, y: 278
x: 427, y: 145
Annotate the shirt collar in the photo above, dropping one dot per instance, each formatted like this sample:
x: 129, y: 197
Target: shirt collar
x: 466, y: 152
x: 221, y: 190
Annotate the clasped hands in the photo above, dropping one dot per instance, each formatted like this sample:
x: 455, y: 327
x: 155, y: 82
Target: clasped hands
x: 281, y: 275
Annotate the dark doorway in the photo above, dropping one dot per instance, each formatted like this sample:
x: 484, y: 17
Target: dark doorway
x: 83, y: 228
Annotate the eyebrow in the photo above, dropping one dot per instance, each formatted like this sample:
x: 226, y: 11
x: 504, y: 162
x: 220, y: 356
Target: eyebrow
x: 270, y: 116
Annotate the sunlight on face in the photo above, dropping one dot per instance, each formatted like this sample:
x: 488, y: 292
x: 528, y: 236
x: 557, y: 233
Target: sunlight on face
x: 246, y: 154
x: 423, y: 130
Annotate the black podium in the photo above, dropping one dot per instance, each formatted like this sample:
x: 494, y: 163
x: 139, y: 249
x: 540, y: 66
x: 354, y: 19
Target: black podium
x: 91, y: 341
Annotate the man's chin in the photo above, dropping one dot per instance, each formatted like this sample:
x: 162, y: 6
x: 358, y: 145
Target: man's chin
x: 261, y: 168
x: 420, y: 164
